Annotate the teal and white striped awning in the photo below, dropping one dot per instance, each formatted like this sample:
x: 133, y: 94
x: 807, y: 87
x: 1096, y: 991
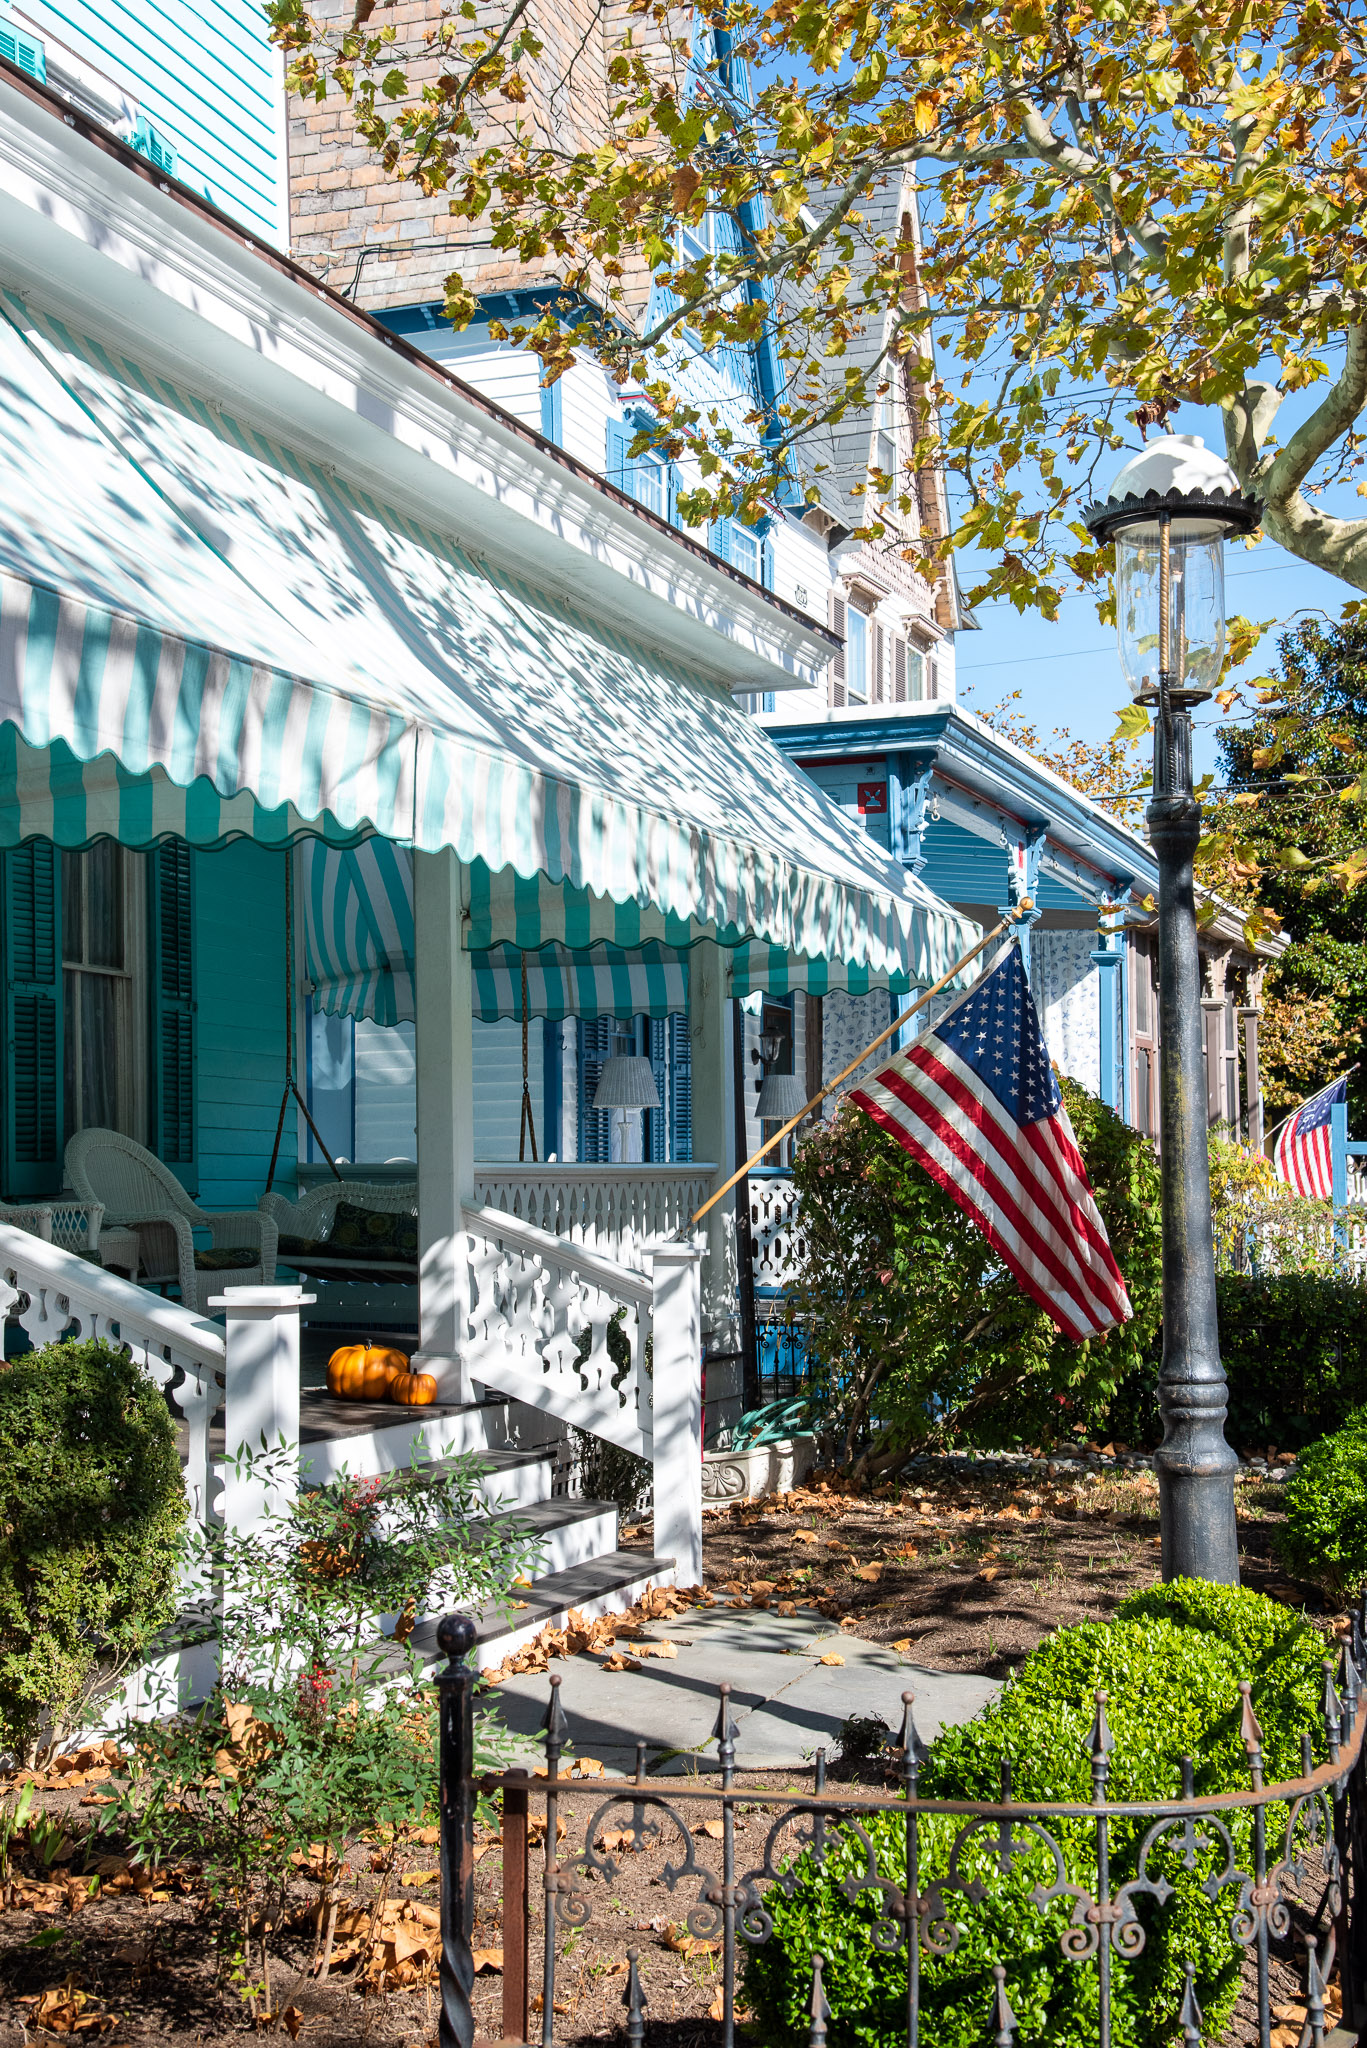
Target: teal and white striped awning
x: 205, y: 630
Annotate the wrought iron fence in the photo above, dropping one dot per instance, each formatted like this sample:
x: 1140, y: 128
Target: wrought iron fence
x: 1307, y: 1836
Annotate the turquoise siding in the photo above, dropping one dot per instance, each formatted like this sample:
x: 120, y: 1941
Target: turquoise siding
x: 206, y: 77
x: 240, y: 987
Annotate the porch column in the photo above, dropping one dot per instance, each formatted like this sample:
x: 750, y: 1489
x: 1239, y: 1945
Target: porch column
x: 446, y: 1117
x: 714, y: 1134
x: 1253, y: 1085
x: 1108, y: 961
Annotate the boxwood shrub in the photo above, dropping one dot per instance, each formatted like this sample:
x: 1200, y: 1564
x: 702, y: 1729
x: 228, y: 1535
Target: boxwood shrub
x: 1171, y: 1663
x: 1325, y: 1535
x: 92, y: 1514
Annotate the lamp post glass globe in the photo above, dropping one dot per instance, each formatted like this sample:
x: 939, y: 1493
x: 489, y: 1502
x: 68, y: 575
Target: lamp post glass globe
x: 1169, y: 513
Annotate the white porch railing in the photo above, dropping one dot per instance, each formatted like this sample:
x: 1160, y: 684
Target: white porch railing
x: 615, y: 1210
x: 541, y: 1310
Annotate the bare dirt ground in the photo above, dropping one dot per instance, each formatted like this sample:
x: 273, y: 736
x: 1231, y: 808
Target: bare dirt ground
x: 968, y: 1575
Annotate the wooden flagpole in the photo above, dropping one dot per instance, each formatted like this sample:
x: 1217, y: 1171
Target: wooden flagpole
x: 896, y: 1025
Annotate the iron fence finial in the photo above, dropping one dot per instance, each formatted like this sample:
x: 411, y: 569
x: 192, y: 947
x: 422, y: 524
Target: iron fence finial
x: 1352, y: 1685
x: 1250, y: 1728
x: 1314, y: 1995
x: 1003, y: 2018
x: 635, y: 2001
x: 1333, y: 1709
x: 554, y: 1725
x: 821, y: 2010
x: 1190, y: 2015
x: 909, y: 1744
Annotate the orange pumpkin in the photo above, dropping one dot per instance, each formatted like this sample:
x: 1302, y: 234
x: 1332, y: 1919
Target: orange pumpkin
x: 413, y: 1389
x: 364, y: 1372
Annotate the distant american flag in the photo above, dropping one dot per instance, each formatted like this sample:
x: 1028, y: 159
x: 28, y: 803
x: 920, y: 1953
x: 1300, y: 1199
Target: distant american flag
x: 975, y: 1102
x: 1301, y: 1155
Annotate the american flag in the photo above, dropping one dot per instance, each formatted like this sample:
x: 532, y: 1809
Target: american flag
x: 1301, y: 1154
x: 975, y: 1102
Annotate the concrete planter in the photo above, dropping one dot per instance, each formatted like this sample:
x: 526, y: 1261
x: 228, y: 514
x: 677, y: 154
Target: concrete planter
x: 759, y: 1469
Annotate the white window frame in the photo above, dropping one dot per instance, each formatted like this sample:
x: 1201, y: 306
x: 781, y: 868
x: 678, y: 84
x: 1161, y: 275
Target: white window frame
x: 130, y: 1036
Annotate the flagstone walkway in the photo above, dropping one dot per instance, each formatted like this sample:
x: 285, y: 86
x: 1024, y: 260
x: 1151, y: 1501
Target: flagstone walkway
x: 793, y: 1679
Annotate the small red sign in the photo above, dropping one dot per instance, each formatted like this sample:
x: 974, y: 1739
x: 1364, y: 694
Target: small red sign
x: 873, y: 796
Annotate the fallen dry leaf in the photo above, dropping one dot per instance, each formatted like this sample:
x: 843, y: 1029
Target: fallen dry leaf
x: 292, y: 2020
x: 617, y: 1662
x: 66, y: 2009
x: 903, y: 1646
x: 805, y: 1536
x: 990, y: 1571
x: 714, y: 1829
x: 788, y: 1607
x: 870, y: 1573
x: 831, y: 1657
x: 677, y: 1937
x: 431, y: 1876
x: 490, y: 1959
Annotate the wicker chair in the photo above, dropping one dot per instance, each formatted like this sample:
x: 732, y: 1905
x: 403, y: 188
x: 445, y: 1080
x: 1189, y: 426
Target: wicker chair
x: 140, y: 1193
x: 308, y: 1239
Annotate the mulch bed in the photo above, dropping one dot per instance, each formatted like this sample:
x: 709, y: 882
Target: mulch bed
x: 964, y: 1576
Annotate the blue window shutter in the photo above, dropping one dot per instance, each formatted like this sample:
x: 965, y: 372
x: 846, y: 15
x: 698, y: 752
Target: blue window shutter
x: 34, y: 1134
x: 26, y: 53
x: 680, y: 1088
x: 675, y: 486
x: 552, y: 415
x: 171, y: 980
x: 151, y: 143
x: 719, y: 540
x: 766, y: 563
x: 595, y: 1042
x: 656, y: 1147
x: 620, y: 439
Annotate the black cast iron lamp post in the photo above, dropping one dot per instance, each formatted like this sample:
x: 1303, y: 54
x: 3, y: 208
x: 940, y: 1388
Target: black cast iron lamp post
x: 1169, y: 513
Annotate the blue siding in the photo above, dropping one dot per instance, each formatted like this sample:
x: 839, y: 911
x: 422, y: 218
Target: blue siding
x: 205, y: 75
x: 239, y: 947
x: 961, y: 867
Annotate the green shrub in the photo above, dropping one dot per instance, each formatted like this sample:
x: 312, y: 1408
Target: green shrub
x: 1171, y: 1663
x: 92, y: 1514
x: 1294, y: 1347
x: 1325, y: 1536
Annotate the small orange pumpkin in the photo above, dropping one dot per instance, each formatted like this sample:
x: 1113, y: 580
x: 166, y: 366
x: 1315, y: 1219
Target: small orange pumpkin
x: 413, y: 1389
x: 364, y: 1372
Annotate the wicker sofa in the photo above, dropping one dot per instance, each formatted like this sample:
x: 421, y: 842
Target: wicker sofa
x: 350, y: 1230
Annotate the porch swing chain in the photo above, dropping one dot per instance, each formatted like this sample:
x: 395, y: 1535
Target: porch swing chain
x: 291, y: 1086
x: 526, y: 1127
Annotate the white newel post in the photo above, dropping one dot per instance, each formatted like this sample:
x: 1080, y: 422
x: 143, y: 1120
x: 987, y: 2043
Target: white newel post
x: 260, y: 1393
x: 676, y: 1408
x: 446, y: 1118
x: 714, y: 1132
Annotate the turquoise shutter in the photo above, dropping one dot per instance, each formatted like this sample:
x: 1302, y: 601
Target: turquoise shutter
x: 34, y: 1137
x: 171, y: 981
x: 26, y: 53
x: 595, y: 1043
x: 619, y: 440
x: 656, y: 1147
x: 681, y: 1088
x: 766, y: 563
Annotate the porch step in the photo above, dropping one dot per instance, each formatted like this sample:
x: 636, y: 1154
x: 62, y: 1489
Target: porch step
x: 607, y: 1584
x: 369, y: 1438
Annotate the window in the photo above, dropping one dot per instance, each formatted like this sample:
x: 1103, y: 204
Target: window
x: 648, y: 478
x: 857, y: 655
x: 876, y: 644
x: 1144, y: 1020
x: 103, y: 990
x: 908, y: 673
x: 746, y: 548
x: 885, y: 456
x: 838, y: 624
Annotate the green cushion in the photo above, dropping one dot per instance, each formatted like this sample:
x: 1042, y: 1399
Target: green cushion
x: 226, y: 1258
x: 373, y: 1233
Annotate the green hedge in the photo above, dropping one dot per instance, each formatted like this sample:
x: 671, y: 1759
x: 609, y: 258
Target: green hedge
x: 1171, y: 1663
x: 1325, y: 1535
x: 1295, y: 1353
x: 92, y: 1518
